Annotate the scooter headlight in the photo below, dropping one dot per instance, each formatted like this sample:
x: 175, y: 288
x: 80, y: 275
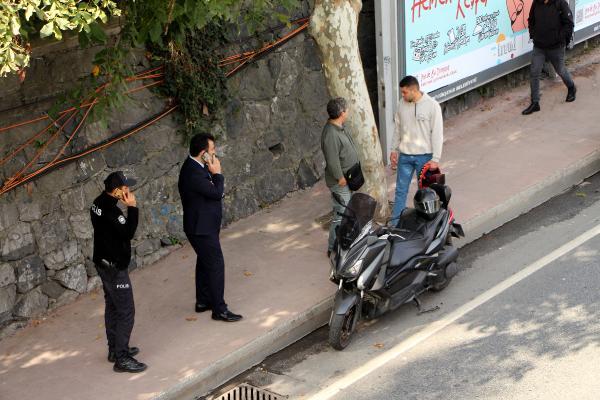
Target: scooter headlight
x: 354, y: 270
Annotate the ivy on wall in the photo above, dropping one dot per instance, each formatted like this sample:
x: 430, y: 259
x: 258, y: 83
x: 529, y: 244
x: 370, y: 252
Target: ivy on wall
x: 182, y: 34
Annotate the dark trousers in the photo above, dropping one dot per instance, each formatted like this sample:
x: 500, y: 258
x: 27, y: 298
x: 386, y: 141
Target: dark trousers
x: 119, y: 310
x: 210, y: 271
x: 557, y: 59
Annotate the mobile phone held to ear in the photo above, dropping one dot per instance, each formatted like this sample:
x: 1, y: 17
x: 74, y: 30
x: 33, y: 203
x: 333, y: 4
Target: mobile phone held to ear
x: 119, y: 193
x: 206, y: 158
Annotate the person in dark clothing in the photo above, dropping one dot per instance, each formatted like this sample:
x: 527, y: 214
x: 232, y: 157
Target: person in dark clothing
x: 201, y: 187
x: 113, y: 232
x: 550, y: 27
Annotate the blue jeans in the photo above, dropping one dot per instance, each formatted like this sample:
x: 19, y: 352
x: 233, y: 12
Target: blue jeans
x: 407, y: 165
x: 345, y: 193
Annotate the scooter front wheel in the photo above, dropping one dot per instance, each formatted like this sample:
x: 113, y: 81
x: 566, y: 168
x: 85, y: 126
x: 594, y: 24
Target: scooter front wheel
x: 341, y: 329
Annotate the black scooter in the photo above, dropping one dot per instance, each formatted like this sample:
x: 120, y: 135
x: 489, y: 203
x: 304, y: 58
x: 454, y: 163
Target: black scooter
x: 379, y: 268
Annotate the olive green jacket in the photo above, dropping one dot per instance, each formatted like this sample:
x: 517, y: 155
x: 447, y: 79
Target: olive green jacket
x: 339, y: 151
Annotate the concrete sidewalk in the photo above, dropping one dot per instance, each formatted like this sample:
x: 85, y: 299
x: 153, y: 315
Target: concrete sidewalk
x: 498, y: 163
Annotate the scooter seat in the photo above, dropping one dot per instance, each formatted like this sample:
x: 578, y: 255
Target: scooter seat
x: 404, y: 250
x: 418, y: 234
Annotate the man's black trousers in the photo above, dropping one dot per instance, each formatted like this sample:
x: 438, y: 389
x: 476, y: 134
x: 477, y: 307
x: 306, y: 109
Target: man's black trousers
x: 210, y: 271
x: 119, y: 310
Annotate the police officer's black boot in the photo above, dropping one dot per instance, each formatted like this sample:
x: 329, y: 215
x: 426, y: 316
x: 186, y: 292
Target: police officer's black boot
x: 112, y: 356
x: 129, y: 364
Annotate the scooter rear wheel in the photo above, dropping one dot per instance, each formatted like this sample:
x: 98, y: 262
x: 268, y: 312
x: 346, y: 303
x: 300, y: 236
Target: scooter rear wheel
x: 341, y: 329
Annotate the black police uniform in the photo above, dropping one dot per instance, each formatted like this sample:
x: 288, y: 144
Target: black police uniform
x: 112, y: 252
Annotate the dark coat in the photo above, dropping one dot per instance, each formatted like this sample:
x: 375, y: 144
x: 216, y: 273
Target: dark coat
x: 201, y: 196
x: 550, y: 25
x: 112, y: 231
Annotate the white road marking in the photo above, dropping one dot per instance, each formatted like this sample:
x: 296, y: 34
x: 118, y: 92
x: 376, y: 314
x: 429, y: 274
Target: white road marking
x: 404, y: 346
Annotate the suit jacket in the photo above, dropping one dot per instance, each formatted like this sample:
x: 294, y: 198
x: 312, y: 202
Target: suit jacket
x: 201, y: 196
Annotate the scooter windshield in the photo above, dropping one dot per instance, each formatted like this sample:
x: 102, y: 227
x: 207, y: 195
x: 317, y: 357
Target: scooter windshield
x: 359, y: 211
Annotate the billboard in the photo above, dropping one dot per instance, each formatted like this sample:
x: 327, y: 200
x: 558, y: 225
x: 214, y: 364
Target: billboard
x: 453, y: 46
x: 587, y: 19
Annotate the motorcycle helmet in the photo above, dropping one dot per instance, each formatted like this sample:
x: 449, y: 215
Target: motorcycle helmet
x: 429, y: 176
x: 427, y: 203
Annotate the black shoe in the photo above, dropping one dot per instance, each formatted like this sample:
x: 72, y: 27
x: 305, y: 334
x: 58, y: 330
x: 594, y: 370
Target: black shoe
x: 227, y: 316
x: 112, y: 356
x: 571, y: 94
x: 533, y: 107
x: 129, y: 364
x: 202, y: 307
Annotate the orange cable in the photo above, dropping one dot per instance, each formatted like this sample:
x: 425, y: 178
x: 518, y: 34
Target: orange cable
x: 27, y: 143
x: 11, y: 185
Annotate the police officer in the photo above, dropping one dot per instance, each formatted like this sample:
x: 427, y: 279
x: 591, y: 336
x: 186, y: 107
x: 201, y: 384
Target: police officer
x: 113, y: 232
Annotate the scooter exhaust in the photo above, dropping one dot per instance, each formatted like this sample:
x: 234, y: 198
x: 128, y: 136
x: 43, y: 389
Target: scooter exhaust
x: 449, y: 255
x: 448, y: 258
x: 451, y: 270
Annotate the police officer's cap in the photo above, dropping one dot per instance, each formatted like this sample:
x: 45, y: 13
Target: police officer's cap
x: 117, y: 179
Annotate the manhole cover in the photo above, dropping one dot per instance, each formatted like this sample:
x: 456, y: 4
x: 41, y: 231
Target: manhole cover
x: 248, y: 392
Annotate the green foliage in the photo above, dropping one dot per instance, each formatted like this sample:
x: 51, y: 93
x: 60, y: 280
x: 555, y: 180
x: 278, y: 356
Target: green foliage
x: 20, y: 18
x: 182, y: 34
x: 194, y: 78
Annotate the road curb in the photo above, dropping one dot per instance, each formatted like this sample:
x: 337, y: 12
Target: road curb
x: 251, y: 354
x: 531, y: 197
x: 295, y: 329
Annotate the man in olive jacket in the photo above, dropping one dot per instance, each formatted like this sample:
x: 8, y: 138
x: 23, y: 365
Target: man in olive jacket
x: 550, y: 27
x: 340, y: 155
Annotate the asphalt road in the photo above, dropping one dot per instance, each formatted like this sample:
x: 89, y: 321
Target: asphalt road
x: 520, y: 321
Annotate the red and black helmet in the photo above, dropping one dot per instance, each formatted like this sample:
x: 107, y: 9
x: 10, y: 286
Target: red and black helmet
x: 429, y: 176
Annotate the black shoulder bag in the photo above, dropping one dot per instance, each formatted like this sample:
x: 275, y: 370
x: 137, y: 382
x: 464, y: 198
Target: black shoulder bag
x: 354, y: 177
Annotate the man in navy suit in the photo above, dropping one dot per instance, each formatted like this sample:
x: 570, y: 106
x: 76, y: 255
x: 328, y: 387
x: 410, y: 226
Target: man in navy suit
x: 201, y: 187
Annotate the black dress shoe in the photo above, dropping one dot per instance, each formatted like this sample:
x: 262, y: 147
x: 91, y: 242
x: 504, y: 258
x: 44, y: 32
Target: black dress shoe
x: 202, y: 307
x: 112, y: 356
x: 533, y: 107
x: 129, y: 364
x: 571, y: 94
x: 227, y: 316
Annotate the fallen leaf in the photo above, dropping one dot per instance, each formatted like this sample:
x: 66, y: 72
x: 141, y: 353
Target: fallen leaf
x: 191, y: 319
x: 205, y: 110
x: 98, y: 337
x: 35, y: 322
x: 580, y: 194
x: 21, y: 73
x: 248, y: 273
x: 96, y: 70
x: 93, y: 296
x: 379, y: 345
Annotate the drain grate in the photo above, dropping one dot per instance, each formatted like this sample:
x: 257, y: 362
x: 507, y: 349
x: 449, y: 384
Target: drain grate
x: 249, y: 392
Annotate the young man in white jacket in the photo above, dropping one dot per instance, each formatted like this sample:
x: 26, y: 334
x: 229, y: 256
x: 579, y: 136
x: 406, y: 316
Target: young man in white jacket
x: 418, y: 138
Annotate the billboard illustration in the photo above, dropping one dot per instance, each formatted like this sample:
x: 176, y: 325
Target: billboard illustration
x: 453, y: 46
x: 446, y: 42
x: 587, y: 19
x: 518, y: 10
